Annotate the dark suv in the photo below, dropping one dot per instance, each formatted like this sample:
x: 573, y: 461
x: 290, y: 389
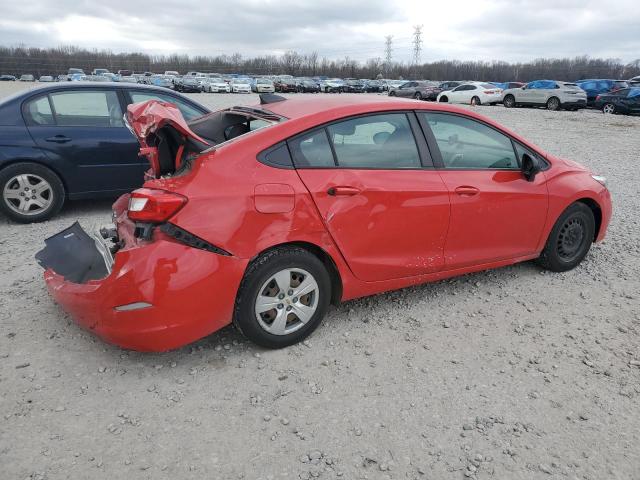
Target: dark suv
x: 595, y: 87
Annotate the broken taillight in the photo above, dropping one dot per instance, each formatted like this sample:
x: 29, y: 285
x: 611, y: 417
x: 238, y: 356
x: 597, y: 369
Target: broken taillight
x: 154, y: 206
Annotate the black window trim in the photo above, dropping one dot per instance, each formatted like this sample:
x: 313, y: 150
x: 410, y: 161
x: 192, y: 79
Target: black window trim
x: 263, y: 156
x: 424, y: 156
x: 437, y: 155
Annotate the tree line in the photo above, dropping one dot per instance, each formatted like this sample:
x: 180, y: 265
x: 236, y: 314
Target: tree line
x: 53, y: 61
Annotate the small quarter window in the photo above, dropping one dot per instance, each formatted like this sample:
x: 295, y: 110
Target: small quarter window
x: 38, y: 112
x: 312, y: 150
x: 277, y: 156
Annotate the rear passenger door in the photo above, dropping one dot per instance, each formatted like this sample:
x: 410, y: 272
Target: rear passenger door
x: 84, y: 131
x: 381, y: 200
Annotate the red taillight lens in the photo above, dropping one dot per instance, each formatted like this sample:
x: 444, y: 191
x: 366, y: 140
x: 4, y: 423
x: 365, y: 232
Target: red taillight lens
x: 154, y: 206
x: 597, y: 98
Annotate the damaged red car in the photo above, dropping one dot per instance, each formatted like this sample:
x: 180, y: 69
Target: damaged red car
x: 264, y: 216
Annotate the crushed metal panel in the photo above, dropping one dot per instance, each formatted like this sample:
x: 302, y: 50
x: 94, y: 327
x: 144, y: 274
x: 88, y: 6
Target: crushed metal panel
x: 73, y: 254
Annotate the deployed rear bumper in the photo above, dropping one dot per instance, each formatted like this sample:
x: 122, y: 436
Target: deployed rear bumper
x: 158, y: 295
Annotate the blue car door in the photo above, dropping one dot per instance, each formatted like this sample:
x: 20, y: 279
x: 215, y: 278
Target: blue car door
x: 84, y: 136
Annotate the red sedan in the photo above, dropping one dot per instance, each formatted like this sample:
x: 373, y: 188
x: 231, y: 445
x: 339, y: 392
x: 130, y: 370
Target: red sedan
x: 263, y: 216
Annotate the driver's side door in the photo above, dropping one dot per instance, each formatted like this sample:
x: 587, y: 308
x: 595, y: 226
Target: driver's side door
x: 496, y: 213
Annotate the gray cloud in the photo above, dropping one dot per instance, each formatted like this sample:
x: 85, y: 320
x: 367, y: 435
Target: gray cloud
x: 504, y: 30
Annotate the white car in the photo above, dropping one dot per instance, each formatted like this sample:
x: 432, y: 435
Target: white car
x: 215, y: 85
x: 472, y: 93
x: 240, y: 86
x: 263, y: 85
x: 332, y: 85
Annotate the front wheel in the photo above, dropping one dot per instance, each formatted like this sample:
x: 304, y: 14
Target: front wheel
x: 569, y: 240
x: 609, y: 108
x: 475, y: 101
x: 30, y: 192
x: 418, y: 96
x: 283, y: 297
x: 392, y: 93
x: 443, y: 99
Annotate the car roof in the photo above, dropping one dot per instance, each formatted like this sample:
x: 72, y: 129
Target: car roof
x: 350, y: 104
x: 40, y: 89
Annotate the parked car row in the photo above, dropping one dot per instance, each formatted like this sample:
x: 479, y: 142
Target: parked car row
x: 550, y: 94
x: 610, y: 96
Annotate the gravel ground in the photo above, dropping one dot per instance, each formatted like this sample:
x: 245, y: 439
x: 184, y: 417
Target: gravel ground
x: 513, y: 373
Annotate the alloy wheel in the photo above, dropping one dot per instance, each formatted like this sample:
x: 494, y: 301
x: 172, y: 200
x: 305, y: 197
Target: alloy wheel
x: 287, y: 301
x: 553, y: 104
x: 27, y: 194
x: 609, y: 108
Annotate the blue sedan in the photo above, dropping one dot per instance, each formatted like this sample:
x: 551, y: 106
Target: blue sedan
x: 69, y: 141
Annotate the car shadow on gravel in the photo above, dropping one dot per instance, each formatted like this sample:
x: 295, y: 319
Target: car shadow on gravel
x: 226, y: 347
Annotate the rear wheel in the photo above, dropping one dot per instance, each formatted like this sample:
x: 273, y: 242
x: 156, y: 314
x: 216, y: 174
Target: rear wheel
x: 30, y: 192
x: 608, y: 108
x: 283, y: 297
x: 569, y: 240
x: 553, y: 104
x: 392, y: 93
x: 418, y: 96
x: 509, y: 101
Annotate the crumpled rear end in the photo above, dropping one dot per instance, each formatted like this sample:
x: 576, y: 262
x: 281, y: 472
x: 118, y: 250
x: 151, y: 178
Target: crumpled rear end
x: 159, y: 294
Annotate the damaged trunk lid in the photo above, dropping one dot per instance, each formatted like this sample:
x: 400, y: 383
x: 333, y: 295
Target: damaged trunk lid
x: 165, y: 138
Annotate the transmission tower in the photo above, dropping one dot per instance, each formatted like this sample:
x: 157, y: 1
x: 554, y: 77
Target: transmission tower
x: 417, y: 43
x: 388, y: 49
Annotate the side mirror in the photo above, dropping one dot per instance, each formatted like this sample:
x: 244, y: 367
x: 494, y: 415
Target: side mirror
x: 530, y: 167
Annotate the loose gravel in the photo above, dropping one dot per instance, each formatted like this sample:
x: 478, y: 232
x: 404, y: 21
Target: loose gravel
x: 508, y: 374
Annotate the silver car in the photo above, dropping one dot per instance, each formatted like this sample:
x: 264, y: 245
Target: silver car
x: 546, y: 93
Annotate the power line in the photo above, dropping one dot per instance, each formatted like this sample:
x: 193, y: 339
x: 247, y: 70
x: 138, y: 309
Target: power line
x: 417, y: 43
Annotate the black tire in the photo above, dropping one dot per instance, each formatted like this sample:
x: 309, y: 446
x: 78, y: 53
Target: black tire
x: 258, y: 272
x: 570, y: 239
x: 444, y: 99
x: 418, y: 96
x: 57, y: 192
x: 392, y: 93
x: 509, y: 101
x: 475, y: 101
x: 553, y: 104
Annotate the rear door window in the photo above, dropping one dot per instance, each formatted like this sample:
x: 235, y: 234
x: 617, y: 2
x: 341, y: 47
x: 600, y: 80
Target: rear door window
x: 87, y: 108
x: 376, y: 141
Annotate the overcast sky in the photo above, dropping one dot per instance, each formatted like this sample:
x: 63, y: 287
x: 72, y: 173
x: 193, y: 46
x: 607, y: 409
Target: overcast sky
x: 508, y: 30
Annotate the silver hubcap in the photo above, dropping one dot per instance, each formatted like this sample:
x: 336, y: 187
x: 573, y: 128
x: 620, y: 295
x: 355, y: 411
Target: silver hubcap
x: 608, y: 108
x: 553, y: 104
x: 28, y: 194
x: 287, y: 301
